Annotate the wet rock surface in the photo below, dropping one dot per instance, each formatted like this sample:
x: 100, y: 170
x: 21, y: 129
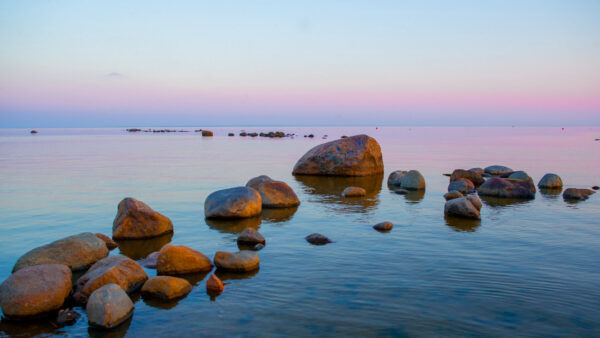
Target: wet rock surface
x: 136, y: 220
x: 354, y: 192
x: 238, y: 202
x: 166, y: 288
x: 317, y: 239
x: 179, y: 259
x: 237, y: 261
x: 108, y: 307
x: 383, y: 226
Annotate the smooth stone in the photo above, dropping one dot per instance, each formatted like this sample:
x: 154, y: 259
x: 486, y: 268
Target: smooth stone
x: 461, y: 186
x: 67, y: 317
x: 519, y: 175
x: 413, y: 180
x: 358, y: 155
x: 136, y: 220
x: 78, y: 252
x: 207, y: 133
x: 354, y: 192
x: 505, y: 188
x: 237, y: 261
x: 257, y: 181
x: 35, y: 290
x: 214, y: 284
x: 452, y: 195
x: 383, y: 226
x: 151, y: 261
x: 251, y: 236
x: 166, y: 288
x: 120, y: 270
x: 110, y: 244
x: 577, y: 194
x: 179, y: 259
x: 497, y: 170
x: 317, y: 239
x: 108, y: 306
x: 395, y: 177
x: 477, y: 170
x: 473, y: 176
x: 466, y: 207
x: 277, y: 194
x: 550, y: 181
x: 238, y: 202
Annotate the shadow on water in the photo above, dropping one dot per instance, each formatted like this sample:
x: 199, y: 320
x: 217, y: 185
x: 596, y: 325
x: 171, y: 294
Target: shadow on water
x: 140, y: 248
x: 500, y: 202
x: 329, y: 189
x: 551, y: 194
x: 278, y: 215
x: 233, y: 225
x: 411, y: 197
x: 225, y: 275
x: 462, y: 224
x: 117, y: 332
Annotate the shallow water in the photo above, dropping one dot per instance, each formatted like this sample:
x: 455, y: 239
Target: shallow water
x: 528, y: 268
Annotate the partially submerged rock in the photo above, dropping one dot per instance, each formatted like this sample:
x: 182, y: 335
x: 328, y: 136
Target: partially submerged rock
x: 505, y: 188
x: 257, y: 181
x: 354, y: 192
x: 277, y: 194
x: 237, y: 261
x: 135, y: 220
x: 214, y: 285
x: 317, y: 239
x: 250, y: 236
x: 179, y: 259
x: 395, y: 178
x: 151, y: 261
x: 472, y: 175
x: 577, y: 194
x: 550, y: 181
x: 120, y: 270
x: 383, y: 226
x: 467, y: 207
x: 108, y: 306
x: 452, y: 195
x: 239, y: 202
x: 166, y: 288
x: 497, y: 170
x: 413, y: 180
x: 110, y: 244
x: 358, y: 155
x: 35, y: 290
x: 463, y: 185
x: 67, y: 317
x: 77, y: 252
x: 207, y: 133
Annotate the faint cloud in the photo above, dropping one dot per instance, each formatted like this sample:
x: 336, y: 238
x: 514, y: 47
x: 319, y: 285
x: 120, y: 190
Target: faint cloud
x: 115, y: 75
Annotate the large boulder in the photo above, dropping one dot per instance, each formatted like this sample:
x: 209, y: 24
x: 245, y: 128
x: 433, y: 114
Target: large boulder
x: 35, y: 290
x: 550, y: 181
x: 166, y: 288
x: 108, y: 306
x: 577, y: 194
x: 238, y: 202
x: 77, y: 252
x: 507, y: 188
x: 395, y: 178
x: 121, y: 270
x: 135, y: 220
x: 471, y: 174
x: 358, y: 155
x: 179, y: 259
x: 237, y: 261
x: 497, y: 170
x: 413, y: 180
x: 466, y: 207
x: 277, y: 194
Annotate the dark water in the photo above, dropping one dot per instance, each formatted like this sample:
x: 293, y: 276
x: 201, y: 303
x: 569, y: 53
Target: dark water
x: 527, y: 268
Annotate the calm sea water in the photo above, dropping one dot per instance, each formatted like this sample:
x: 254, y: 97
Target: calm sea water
x: 528, y: 268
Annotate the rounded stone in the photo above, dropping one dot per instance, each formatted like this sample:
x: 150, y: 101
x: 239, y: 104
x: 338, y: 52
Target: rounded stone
x: 354, y: 192
x: 383, y: 226
x: 519, y: 175
x: 395, y: 178
x: 166, y: 288
x: 498, y: 170
x: 463, y: 185
x: 472, y: 175
x: 135, y: 220
x: 413, y: 180
x: 237, y: 261
x: 577, y: 194
x: 250, y: 236
x: 108, y: 306
x: 317, y: 239
x: 506, y: 188
x: 214, y: 284
x: 151, y: 260
x: 255, y: 182
x: 179, y: 259
x: 466, y: 207
x: 238, y: 202
x: 452, y: 195
x: 550, y: 181
x: 277, y: 194
x: 207, y: 133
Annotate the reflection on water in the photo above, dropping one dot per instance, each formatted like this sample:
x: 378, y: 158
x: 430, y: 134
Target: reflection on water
x: 193, y: 278
x: 233, y: 275
x: 162, y: 304
x: 42, y: 326
x: 117, y: 332
x: 278, y: 215
x: 412, y: 196
x: 233, y: 225
x: 462, y: 224
x: 140, y: 248
x: 500, y: 202
x: 329, y: 189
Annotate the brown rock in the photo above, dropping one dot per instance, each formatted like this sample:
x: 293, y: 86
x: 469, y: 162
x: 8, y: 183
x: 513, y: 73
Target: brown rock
x: 35, y: 290
x: 277, y: 194
x: 110, y: 244
x: 577, y: 194
x: 238, y: 202
x: 135, y: 220
x: 354, y: 192
x: 125, y: 272
x: 250, y: 236
x: 472, y: 175
x: 466, y: 207
x: 237, y: 261
x: 507, y: 188
x: 255, y: 182
x: 383, y: 226
x: 207, y: 133
x: 108, y: 306
x: 214, y: 284
x: 395, y: 178
x: 77, y: 252
x: 166, y: 288
x: 452, y: 195
x: 317, y: 239
x: 352, y: 156
x: 179, y: 259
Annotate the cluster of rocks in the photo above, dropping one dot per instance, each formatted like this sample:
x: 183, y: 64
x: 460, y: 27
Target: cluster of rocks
x: 271, y: 134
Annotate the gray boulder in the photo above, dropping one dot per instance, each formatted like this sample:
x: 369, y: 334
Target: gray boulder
x: 550, y: 181
x: 506, y: 188
x: 577, y: 194
x: 239, y: 202
x: 108, y: 306
x: 395, y: 178
x: 519, y: 175
x: 463, y: 186
x: 413, y: 180
x: 466, y: 207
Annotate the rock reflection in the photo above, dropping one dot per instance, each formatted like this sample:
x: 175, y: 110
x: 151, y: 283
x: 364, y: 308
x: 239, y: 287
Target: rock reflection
x: 329, y: 190
x: 194, y: 278
x: 233, y: 225
x: 552, y: 194
x: 459, y: 224
x: 412, y: 196
x: 117, y: 332
x: 36, y: 327
x: 225, y: 275
x: 140, y: 248
x: 499, y: 202
x: 278, y: 215
x: 162, y: 304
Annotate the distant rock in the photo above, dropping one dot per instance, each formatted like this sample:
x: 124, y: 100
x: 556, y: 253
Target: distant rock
x: 207, y: 133
x: 237, y: 261
x: 166, y: 288
x: 243, y: 133
x: 35, y: 290
x: 497, y: 170
x: 110, y: 244
x: 121, y: 270
x: 150, y: 261
x: 179, y: 259
x: 214, y: 285
x: 595, y: 187
x: 383, y: 226
x: 466, y: 207
x: 317, y: 239
x: 136, y: 220
x: 452, y: 195
x: 577, y: 194
x: 109, y: 306
x: 238, y: 202
x: 231, y: 134
x: 78, y: 252
x: 250, y: 236
x: 354, y: 192
x: 550, y: 181
x: 395, y: 178
x: 352, y: 156
x: 519, y: 175
x: 413, y: 180
x: 473, y: 176
x: 505, y: 188
x: 34, y: 132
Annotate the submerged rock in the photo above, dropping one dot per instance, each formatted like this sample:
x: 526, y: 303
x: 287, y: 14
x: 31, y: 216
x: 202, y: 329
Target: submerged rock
x: 150, y: 261
x: 35, y: 290
x: 179, y: 259
x: 317, y: 239
x: 413, y: 180
x: 250, y: 236
x: 358, y: 155
x: 550, y: 181
x: 467, y: 207
x: 577, y: 194
x: 383, y: 226
x: 395, y: 178
x: 67, y: 317
x: 237, y: 261
x: 110, y: 244
x: 77, y: 252
x: 214, y: 285
x: 257, y: 181
x: 452, y: 195
x: 166, y: 288
x: 505, y: 188
x: 136, y: 220
x: 354, y: 192
x: 239, y: 202
x: 108, y: 306
x: 120, y: 270
x: 497, y: 170
x: 472, y: 175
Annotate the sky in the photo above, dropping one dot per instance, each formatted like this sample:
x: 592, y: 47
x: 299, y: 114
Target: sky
x: 195, y: 63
